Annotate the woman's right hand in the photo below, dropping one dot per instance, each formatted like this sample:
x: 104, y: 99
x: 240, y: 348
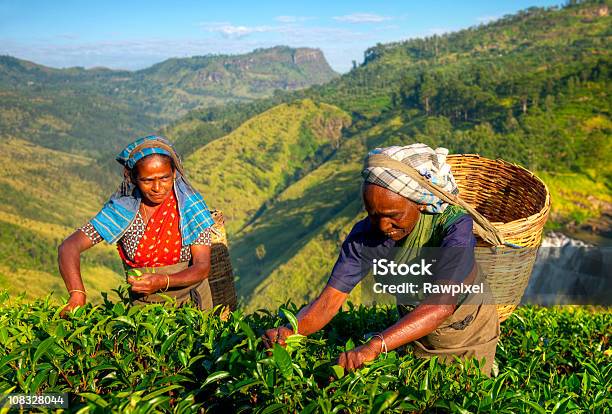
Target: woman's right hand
x: 276, y: 335
x: 76, y: 299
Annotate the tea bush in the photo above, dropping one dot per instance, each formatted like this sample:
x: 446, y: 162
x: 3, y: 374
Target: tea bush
x: 122, y: 358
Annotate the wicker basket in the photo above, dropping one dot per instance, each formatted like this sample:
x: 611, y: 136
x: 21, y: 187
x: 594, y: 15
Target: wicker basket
x: 517, y: 204
x: 220, y: 277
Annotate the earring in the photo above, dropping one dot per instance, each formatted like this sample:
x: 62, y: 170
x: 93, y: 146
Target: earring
x: 125, y: 187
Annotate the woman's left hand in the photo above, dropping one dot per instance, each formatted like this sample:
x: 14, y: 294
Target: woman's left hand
x: 147, y: 283
x: 353, y: 359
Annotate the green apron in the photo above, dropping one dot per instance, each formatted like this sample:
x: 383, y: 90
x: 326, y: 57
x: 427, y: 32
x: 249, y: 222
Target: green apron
x: 473, y: 328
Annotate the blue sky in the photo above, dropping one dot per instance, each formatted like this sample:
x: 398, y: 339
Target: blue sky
x: 135, y: 34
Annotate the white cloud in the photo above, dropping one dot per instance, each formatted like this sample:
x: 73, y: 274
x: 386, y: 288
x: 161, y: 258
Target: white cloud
x: 292, y: 19
x: 288, y: 32
x: 362, y: 18
x: 234, y: 31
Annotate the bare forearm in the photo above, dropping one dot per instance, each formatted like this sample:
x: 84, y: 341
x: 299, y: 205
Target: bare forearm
x: 311, y: 318
x: 70, y: 267
x: 423, y: 320
x: 320, y: 312
x: 193, y: 274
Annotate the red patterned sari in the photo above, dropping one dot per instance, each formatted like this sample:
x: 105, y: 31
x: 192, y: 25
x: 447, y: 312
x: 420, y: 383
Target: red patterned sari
x: 161, y: 242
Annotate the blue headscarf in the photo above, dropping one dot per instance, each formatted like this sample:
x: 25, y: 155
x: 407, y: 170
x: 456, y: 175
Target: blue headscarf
x: 120, y: 210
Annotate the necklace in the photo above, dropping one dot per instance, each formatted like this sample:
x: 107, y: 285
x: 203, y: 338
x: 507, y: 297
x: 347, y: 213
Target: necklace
x: 146, y: 216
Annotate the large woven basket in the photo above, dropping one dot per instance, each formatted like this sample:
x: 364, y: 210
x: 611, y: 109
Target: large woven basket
x: 516, y: 203
x: 221, y: 278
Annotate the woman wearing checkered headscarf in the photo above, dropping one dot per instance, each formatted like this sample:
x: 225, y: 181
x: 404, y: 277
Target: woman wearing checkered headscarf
x: 404, y: 218
x: 430, y: 163
x: 160, y: 224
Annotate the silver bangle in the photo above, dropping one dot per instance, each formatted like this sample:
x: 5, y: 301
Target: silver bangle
x: 383, y: 345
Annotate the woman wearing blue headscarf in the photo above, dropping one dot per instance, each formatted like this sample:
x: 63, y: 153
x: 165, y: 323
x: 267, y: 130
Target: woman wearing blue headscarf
x: 161, y: 227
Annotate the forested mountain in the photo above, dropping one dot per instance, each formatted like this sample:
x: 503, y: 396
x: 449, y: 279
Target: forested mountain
x: 531, y: 88
x: 97, y: 110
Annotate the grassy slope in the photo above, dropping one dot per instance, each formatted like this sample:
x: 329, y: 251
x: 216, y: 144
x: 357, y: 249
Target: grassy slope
x: 43, y: 199
x: 241, y: 171
x: 299, y: 257
x: 303, y: 230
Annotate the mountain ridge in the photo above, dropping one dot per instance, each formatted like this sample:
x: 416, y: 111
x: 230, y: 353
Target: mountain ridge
x: 96, y: 111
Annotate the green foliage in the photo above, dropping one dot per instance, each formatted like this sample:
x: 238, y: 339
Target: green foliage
x: 531, y: 88
x: 115, y: 357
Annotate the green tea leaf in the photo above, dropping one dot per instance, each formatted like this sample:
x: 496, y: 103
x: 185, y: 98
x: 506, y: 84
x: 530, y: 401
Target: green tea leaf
x: 338, y: 371
x: 384, y: 401
x: 283, y: 360
x: 134, y: 273
x: 292, y: 320
x: 94, y: 398
x: 247, y: 330
x: 161, y: 391
x: 183, y: 358
x: 215, y: 376
x: 273, y: 408
x: 126, y: 320
x: 169, y: 341
x: 43, y: 348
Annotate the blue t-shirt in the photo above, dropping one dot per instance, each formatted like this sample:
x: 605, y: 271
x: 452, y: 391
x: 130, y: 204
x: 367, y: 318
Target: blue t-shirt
x: 453, y: 264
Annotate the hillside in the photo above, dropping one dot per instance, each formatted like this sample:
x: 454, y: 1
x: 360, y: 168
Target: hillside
x: 242, y: 171
x: 45, y: 195
x: 98, y: 110
x: 537, y: 99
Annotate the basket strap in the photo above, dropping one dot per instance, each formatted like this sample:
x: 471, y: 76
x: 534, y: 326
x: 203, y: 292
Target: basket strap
x: 483, y: 227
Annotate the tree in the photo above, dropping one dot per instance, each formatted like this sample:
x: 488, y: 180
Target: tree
x: 427, y: 90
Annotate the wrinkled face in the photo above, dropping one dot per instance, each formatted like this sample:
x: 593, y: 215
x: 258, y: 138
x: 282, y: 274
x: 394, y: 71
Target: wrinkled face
x: 390, y: 213
x: 154, y: 178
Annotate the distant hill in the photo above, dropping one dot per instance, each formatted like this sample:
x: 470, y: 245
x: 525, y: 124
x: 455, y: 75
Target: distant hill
x: 98, y: 110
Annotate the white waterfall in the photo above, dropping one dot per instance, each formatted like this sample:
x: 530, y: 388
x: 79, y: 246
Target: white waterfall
x: 570, y: 271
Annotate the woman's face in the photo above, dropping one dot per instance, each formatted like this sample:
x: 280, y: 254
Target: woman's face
x: 393, y: 215
x: 154, y: 178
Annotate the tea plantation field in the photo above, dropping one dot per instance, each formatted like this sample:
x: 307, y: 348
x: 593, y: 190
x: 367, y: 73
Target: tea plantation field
x: 113, y: 357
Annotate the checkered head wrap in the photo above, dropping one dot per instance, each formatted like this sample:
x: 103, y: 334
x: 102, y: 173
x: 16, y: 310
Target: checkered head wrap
x: 430, y: 163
